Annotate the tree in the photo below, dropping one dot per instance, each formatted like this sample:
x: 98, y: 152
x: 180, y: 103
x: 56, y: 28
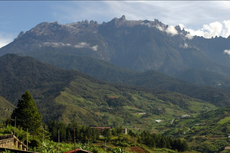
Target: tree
x: 27, y: 114
x: 106, y: 133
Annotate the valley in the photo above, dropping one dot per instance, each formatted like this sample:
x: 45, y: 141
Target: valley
x: 123, y: 73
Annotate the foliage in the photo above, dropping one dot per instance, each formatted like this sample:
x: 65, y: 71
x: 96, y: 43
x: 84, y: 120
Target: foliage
x: 27, y: 114
x: 160, y: 141
x: 70, y: 96
x: 207, y: 132
x: 151, y: 79
x: 83, y: 134
x: 5, y: 109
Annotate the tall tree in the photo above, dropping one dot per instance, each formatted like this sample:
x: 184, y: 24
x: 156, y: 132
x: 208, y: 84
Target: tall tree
x: 27, y: 113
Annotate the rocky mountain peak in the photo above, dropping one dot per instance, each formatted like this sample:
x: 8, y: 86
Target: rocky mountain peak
x: 19, y: 35
x: 46, y: 28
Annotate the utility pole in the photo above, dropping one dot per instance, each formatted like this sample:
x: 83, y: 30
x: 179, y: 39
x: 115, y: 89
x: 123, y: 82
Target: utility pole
x: 74, y: 141
x: 43, y: 136
x: 105, y: 145
x: 15, y: 124
x: 58, y: 139
x: 7, y: 112
x: 27, y: 141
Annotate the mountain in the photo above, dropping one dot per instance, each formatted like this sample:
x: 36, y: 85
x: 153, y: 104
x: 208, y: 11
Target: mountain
x: 67, y: 96
x: 202, y: 77
x: 138, y: 45
x: 151, y: 79
x: 91, y: 66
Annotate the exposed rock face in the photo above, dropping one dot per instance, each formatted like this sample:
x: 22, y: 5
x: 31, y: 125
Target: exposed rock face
x: 139, y: 45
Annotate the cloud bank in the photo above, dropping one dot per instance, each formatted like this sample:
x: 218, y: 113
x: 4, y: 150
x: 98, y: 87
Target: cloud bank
x: 227, y: 52
x: 212, y: 30
x: 171, y: 30
x: 79, y: 45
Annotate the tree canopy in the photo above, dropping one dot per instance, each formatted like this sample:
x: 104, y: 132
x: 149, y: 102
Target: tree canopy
x: 27, y: 114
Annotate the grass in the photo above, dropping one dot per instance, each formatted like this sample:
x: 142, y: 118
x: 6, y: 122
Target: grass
x: 224, y: 120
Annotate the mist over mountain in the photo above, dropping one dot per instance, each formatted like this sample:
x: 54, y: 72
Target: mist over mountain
x: 138, y: 45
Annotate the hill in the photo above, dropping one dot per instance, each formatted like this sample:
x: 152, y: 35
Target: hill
x: 67, y: 96
x: 94, y: 67
x: 207, y: 132
x: 5, y: 109
x: 151, y: 79
x: 202, y: 77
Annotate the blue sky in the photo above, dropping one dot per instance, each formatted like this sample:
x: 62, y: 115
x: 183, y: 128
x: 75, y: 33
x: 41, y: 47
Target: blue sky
x: 204, y: 18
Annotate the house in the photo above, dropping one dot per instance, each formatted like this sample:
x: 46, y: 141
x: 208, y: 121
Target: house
x: 227, y: 148
x: 185, y: 115
x: 158, y: 121
x: 100, y: 129
x: 78, y: 151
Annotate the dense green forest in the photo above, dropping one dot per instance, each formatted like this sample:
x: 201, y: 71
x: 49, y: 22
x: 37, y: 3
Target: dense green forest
x: 106, y: 71
x: 69, y: 96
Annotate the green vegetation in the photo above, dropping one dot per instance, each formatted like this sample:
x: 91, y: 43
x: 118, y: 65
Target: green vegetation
x: 151, y: 79
x: 164, y: 113
x: 70, y: 96
x: 202, y: 77
x: 26, y: 114
x: 6, y: 109
x: 117, y: 143
x: 208, y: 132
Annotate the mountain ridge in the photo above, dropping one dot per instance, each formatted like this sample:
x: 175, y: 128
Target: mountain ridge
x: 151, y: 79
x: 138, y: 45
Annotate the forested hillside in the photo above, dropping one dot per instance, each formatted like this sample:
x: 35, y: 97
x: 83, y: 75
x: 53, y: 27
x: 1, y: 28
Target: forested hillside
x: 68, y: 96
x: 151, y: 79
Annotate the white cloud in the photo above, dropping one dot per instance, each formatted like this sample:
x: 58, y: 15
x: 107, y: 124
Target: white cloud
x: 189, y: 36
x: 181, y: 26
x: 226, y: 30
x: 56, y: 44
x: 227, y: 52
x: 95, y: 47
x: 212, y: 30
x: 171, y: 30
x: 6, y: 39
x: 79, y: 45
x: 184, y: 46
x: 160, y: 28
x: 82, y: 45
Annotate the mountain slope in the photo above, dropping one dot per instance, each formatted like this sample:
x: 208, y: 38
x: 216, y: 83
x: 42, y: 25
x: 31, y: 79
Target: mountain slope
x: 5, y: 109
x: 94, y: 67
x: 151, y: 79
x: 138, y: 45
x: 72, y: 96
x: 201, y: 77
x: 20, y: 74
x: 208, y: 132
